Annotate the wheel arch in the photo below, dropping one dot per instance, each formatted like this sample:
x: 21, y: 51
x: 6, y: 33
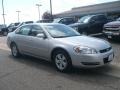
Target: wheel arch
x: 59, y: 48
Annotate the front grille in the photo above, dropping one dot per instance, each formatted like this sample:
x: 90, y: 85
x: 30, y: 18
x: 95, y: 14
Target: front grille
x: 105, y: 50
x: 111, y: 30
x: 114, y: 29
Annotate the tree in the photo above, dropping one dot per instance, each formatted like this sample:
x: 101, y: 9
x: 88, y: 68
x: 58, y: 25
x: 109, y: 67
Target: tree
x: 46, y: 15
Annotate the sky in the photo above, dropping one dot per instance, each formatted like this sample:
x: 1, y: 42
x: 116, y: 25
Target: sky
x: 29, y: 10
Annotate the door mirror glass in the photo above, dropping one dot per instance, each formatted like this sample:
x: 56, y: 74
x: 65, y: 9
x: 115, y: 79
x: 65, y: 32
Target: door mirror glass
x: 41, y: 35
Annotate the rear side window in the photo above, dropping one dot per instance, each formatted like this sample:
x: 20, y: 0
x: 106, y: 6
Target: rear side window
x: 25, y: 30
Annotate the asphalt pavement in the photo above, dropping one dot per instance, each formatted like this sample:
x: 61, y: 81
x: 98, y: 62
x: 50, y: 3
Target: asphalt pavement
x: 28, y: 73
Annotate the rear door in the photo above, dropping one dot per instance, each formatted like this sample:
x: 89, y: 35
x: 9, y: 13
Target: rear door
x: 23, y: 39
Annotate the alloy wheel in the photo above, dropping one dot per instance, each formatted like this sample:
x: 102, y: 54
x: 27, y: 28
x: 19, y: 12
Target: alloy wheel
x: 61, y: 61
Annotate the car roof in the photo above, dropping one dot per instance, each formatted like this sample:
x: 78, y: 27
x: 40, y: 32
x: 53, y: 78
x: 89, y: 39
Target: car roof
x: 42, y: 24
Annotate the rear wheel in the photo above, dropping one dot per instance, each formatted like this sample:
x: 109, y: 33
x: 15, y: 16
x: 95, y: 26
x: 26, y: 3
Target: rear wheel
x: 14, y: 50
x: 62, y: 61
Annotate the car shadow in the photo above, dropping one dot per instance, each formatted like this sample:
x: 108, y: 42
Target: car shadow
x: 38, y: 63
x: 96, y: 75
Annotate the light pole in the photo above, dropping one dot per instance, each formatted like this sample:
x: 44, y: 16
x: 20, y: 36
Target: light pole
x: 51, y: 9
x: 18, y: 12
x: 38, y: 5
x: 3, y: 12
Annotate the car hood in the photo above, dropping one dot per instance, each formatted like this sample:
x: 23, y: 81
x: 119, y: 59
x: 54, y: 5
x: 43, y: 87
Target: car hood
x: 95, y: 43
x: 77, y: 24
x: 114, y: 24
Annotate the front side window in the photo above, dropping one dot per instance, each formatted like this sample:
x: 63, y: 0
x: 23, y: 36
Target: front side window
x: 25, y: 30
x: 35, y: 30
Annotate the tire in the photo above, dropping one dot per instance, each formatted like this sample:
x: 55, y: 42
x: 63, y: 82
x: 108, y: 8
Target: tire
x: 62, y: 61
x: 14, y: 50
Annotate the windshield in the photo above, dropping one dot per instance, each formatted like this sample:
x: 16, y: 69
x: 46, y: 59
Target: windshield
x: 59, y: 31
x: 84, y: 19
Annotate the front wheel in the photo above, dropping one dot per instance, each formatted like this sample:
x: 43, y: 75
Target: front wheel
x: 62, y: 61
x: 14, y: 50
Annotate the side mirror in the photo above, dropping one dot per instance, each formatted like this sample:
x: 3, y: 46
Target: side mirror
x: 41, y: 35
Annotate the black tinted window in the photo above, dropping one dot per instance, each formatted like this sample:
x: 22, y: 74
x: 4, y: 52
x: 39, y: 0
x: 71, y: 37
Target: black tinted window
x: 67, y: 21
x: 99, y: 18
x: 102, y: 17
x: 95, y: 18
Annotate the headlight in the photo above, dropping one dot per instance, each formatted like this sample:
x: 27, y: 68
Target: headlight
x: 84, y: 50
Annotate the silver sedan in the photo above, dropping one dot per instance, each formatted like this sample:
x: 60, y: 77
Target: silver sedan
x: 61, y: 45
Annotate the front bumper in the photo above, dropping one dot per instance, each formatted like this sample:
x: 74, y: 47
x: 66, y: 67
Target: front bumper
x: 92, y: 60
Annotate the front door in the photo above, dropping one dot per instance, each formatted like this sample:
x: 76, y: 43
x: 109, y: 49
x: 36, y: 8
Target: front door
x: 39, y: 45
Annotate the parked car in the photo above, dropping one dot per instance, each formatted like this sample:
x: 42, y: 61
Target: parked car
x: 61, y: 45
x: 10, y: 28
x: 14, y: 26
x: 65, y: 20
x: 90, y: 24
x: 45, y: 21
x: 112, y: 29
x: 20, y: 24
x: 23, y: 23
x: 1, y: 29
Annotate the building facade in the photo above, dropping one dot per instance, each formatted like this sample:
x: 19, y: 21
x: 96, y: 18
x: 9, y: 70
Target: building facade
x: 111, y: 9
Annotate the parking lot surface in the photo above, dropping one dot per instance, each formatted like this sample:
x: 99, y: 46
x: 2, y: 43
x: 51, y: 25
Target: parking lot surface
x: 28, y: 73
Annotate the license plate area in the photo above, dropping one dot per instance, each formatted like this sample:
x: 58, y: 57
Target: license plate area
x: 109, y: 58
